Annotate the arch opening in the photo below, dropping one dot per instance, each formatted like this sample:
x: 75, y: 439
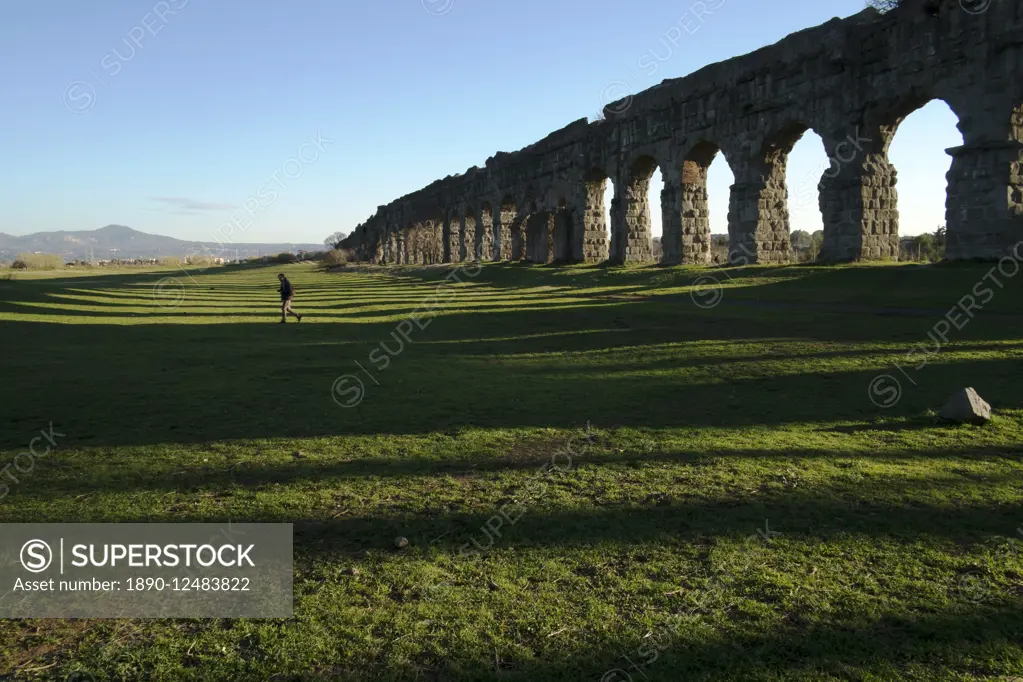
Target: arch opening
x: 916, y: 146
x: 539, y: 232
x: 608, y: 191
x: 564, y: 237
x: 807, y: 160
x: 658, y: 201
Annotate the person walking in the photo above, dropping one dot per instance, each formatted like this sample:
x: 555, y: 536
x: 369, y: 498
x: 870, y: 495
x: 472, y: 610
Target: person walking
x: 287, y: 296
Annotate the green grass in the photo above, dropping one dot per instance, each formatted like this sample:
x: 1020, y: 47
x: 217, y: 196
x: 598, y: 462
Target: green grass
x: 897, y: 555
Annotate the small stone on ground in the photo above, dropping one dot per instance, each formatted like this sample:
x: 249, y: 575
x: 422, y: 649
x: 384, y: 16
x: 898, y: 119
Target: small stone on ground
x: 966, y: 407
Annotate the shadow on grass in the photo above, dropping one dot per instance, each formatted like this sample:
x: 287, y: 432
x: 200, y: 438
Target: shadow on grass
x: 950, y: 506
x: 941, y: 645
x: 158, y: 384
x: 657, y: 362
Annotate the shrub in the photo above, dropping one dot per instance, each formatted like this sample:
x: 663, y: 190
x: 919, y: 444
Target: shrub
x: 286, y: 258
x: 883, y: 6
x: 171, y: 261
x: 38, y: 261
x: 196, y: 259
x: 339, y: 257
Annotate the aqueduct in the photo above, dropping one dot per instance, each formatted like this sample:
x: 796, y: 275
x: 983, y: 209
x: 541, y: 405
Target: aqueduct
x: 852, y: 81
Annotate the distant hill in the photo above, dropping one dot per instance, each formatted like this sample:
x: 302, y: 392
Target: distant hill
x: 117, y: 241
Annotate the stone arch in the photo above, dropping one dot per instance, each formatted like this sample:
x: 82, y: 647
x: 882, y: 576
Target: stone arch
x: 759, y: 221
x: 687, y: 232
x: 917, y: 150
x: 859, y: 200
x: 630, y: 233
x: 887, y: 116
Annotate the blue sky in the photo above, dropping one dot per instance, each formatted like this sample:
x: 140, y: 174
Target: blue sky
x: 163, y: 115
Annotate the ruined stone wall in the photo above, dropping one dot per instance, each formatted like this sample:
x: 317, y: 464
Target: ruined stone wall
x: 852, y: 81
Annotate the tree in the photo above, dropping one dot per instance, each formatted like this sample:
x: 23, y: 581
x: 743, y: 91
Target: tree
x: 883, y: 6
x: 334, y: 240
x: 801, y: 240
x: 925, y: 247
x: 816, y: 242
x: 939, y: 243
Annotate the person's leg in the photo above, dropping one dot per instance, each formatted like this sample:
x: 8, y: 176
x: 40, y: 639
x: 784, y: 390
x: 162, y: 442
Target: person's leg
x: 292, y: 311
x: 285, y: 308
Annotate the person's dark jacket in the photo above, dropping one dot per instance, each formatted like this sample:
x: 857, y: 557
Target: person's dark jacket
x: 286, y: 289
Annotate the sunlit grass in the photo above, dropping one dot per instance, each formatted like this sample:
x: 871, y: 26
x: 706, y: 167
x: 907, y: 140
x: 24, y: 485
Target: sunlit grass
x: 733, y: 495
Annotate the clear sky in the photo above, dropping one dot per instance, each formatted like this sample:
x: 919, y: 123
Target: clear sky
x: 163, y: 115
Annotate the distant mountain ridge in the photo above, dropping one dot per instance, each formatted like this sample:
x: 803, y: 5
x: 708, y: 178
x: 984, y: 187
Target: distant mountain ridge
x: 118, y: 241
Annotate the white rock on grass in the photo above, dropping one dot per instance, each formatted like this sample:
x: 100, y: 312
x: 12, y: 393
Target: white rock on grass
x: 966, y: 407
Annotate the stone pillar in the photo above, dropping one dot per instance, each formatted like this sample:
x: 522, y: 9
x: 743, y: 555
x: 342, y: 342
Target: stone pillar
x: 619, y: 230
x: 694, y: 214
x: 636, y: 216
x: 483, y: 249
x: 984, y: 208
x: 758, y: 217
x: 437, y: 241
x: 548, y: 230
x: 467, y: 239
x: 671, y: 223
x: 416, y: 242
x: 858, y: 201
x: 391, y: 247
x: 426, y: 242
x: 590, y: 242
x: 503, y: 221
x: 377, y: 249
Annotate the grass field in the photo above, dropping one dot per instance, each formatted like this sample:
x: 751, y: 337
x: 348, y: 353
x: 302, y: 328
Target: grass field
x: 706, y: 484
